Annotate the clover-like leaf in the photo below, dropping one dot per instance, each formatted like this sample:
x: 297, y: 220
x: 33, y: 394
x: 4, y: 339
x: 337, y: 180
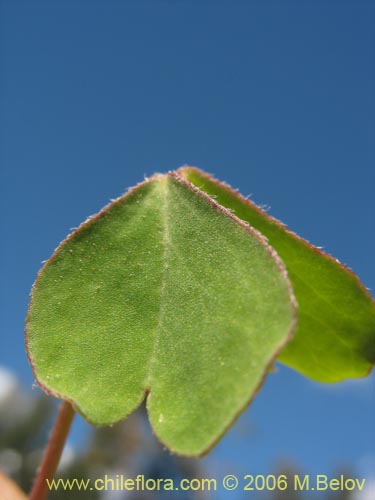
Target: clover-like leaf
x: 335, y: 338
x: 164, y: 293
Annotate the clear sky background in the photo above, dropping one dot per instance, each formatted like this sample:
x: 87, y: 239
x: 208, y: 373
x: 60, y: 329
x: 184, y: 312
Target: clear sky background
x: 276, y: 98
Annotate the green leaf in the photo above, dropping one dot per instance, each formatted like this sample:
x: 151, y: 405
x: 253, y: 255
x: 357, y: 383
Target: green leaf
x: 163, y: 292
x: 335, y: 338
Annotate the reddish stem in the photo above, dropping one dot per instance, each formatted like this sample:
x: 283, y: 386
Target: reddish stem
x: 53, y: 452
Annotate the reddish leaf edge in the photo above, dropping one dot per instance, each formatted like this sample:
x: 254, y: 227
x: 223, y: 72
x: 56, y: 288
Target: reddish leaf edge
x: 288, y: 337
x: 224, y: 185
x: 148, y: 390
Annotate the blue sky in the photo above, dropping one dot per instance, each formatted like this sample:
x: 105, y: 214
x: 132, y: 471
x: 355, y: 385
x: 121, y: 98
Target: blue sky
x: 276, y: 98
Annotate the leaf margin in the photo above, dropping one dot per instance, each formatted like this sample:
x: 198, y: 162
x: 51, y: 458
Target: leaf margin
x: 281, y: 226
x: 147, y: 390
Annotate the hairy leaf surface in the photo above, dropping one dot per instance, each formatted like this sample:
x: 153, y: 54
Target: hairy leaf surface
x: 335, y: 338
x: 163, y: 293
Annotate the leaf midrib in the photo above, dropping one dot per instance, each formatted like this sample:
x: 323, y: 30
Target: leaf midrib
x: 166, y: 244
